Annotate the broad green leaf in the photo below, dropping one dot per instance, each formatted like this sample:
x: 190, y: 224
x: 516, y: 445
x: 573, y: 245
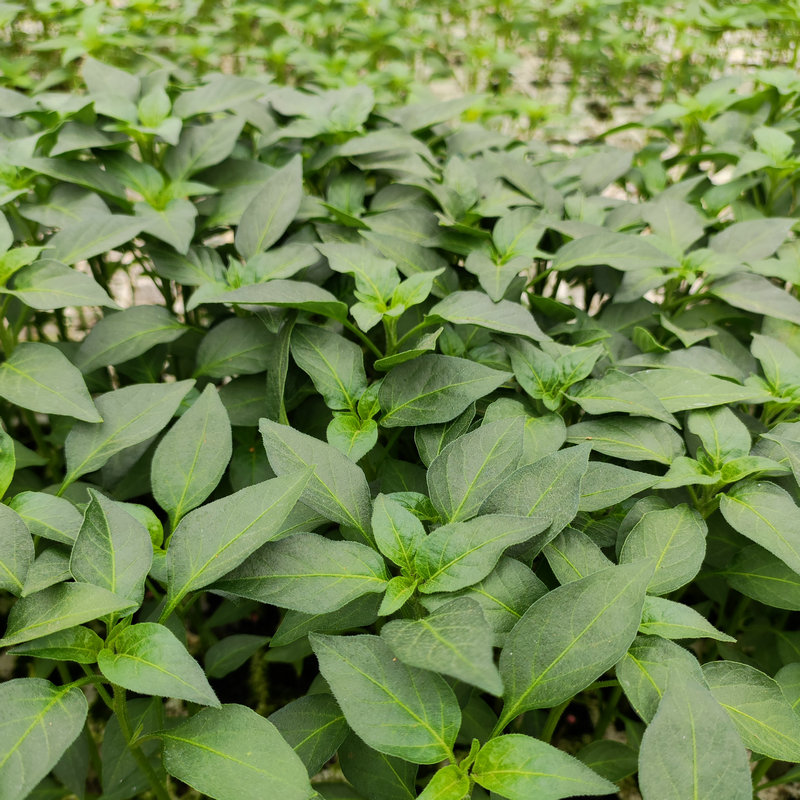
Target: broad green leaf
x: 547, y: 490
x: 126, y: 334
x: 630, y: 439
x: 337, y: 488
x: 518, y: 232
x: 675, y: 221
x: 495, y: 276
x: 432, y: 439
x: 671, y: 620
x: 230, y: 653
x: 8, y: 461
x: 396, y: 709
x: 418, y: 347
x: 454, y: 640
x: 477, y: 308
x: 40, y: 721
x: 448, y: 783
x: 352, y: 436
x: 149, y: 659
x: 765, y: 513
x: 619, y: 250
x: 543, y: 434
x: 16, y: 551
x: 77, y: 644
x: 281, y: 293
x: 219, y: 92
x: 788, y: 678
x: 217, y: 537
x: 618, y: 392
x: 91, y: 237
x: 191, y: 459
x: 48, y: 516
x: 573, y: 555
x: 399, y: 591
x: 335, y: 365
x: 676, y: 539
x: 604, y: 485
x: 755, y: 702
x: 756, y: 573
x: 58, y: 607
x: 39, y: 377
x: 680, y: 389
x: 377, y: 776
x: 130, y: 415
x: 722, y: 434
x: 646, y: 669
x: 462, y: 553
x: 271, y: 211
x: 314, y: 726
x: 202, y: 146
x: 173, y: 224
x: 692, y: 749
x: 610, y: 759
x: 504, y: 595
x: 49, y: 284
x: 307, y: 572
x: 466, y: 472
x: 752, y: 239
x: 237, y: 346
x: 757, y: 294
x: 780, y: 364
x: 232, y: 753
x: 398, y: 533
x: 51, y: 566
x: 113, y: 549
x: 245, y: 401
x: 520, y: 767
x: 375, y: 277
x: 434, y: 388
x: 570, y: 637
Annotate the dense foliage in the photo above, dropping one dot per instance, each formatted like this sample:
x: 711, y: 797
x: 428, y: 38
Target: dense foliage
x: 435, y: 449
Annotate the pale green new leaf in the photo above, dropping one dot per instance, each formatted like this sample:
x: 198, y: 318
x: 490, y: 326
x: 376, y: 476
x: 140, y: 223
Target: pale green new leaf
x: 398, y: 533
x: 722, y: 434
x: 77, y: 644
x: 396, y: 709
x: 449, y: 783
x: 352, y: 436
x: 149, y: 659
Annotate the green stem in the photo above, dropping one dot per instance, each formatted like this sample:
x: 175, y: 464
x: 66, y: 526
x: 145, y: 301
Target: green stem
x: 426, y: 323
x: 97, y: 680
x: 761, y: 770
x: 364, y: 338
x: 551, y: 723
x: 609, y: 712
x: 121, y: 710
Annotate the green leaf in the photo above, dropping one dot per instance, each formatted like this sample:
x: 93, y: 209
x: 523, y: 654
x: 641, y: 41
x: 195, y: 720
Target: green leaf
x: 547, y: 490
x: 49, y: 284
x: 448, y: 783
x: 756, y: 573
x: 314, y: 726
x: 352, y: 436
x: 376, y: 278
x: 755, y: 702
x: 618, y: 392
x: 396, y: 709
x: 51, y: 566
x: 646, y: 669
x: 477, y: 308
x: 29, y: 378
x: 202, y: 146
x: 149, y: 659
x: 432, y: 439
x: 16, y: 551
x: 271, y: 211
x: 92, y: 237
x: 766, y: 514
x: 520, y: 767
x: 691, y: 748
x: 40, y: 721
x: 610, y: 759
x: 126, y: 334
x: 398, y: 533
x: 675, y: 538
x: 228, y: 654
x: 232, y: 753
x: 377, y: 776
x: 722, y: 434
x: 191, y: 459
x: 753, y: 239
x: 573, y: 555
x: 173, y: 224
x: 113, y: 549
x: 466, y: 472
x: 630, y: 439
x: 307, y: 572
x: 671, y: 620
x: 462, y: 553
x: 337, y: 488
x: 434, y: 388
x: 680, y: 389
x: 130, y: 415
x: 399, y: 591
x: 78, y: 644
x: 570, y: 637
x: 8, y: 461
x: 335, y: 365
x: 757, y: 294
x: 58, y: 607
x: 495, y: 277
x: 604, y: 485
x: 217, y: 537
x: 237, y: 346
x: 454, y: 640
x: 48, y: 516
x: 619, y: 250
